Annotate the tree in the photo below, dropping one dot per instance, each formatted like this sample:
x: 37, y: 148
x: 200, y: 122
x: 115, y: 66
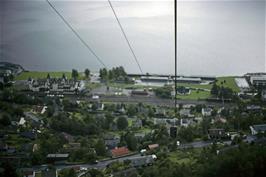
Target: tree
x: 5, y: 119
x: 186, y: 134
x: 131, y: 141
x: 215, y: 89
x: 100, y: 148
x: 75, y: 74
x: 131, y: 110
x: 50, y: 111
x: 87, y: 73
x: 163, y: 92
x: 122, y: 123
x: 103, y: 74
x: 9, y: 171
x: 48, y: 76
x: 64, y: 76
x: 67, y: 173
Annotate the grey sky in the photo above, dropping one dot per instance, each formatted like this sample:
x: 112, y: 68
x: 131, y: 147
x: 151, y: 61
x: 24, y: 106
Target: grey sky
x: 214, y: 37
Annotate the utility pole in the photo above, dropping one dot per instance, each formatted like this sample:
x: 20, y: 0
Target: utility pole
x: 175, y: 21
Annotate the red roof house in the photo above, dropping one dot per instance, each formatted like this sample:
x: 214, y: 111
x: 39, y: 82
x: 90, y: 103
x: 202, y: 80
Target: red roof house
x: 117, y: 152
x: 153, y: 146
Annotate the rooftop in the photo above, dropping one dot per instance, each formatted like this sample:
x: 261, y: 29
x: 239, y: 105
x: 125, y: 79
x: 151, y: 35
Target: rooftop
x: 120, y: 151
x: 57, y: 155
x: 261, y: 127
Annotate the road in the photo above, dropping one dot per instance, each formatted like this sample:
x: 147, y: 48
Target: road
x: 153, y: 100
x: 99, y: 165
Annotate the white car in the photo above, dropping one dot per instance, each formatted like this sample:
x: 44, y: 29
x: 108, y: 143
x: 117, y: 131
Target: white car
x: 83, y: 169
x: 178, y: 143
x: 142, y: 151
x: 95, y: 97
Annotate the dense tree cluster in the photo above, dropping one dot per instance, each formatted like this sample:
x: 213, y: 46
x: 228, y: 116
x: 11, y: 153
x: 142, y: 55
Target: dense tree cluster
x: 64, y: 123
x: 115, y: 74
x: 75, y: 74
x: 163, y: 92
x: 245, y: 160
x: 222, y: 92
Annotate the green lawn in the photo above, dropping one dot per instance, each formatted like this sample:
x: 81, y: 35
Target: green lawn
x: 195, y: 95
x: 40, y: 75
x: 181, y: 157
x: 229, y: 82
x: 93, y: 85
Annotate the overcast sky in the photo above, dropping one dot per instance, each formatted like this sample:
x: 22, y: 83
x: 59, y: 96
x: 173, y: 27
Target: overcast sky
x: 214, y: 37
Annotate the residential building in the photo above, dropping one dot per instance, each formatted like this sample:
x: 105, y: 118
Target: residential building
x: 56, y: 85
x: 258, y: 80
x: 118, y: 152
x: 185, y: 113
x: 153, y: 146
x: 255, y: 129
x: 216, y: 133
x: 185, y: 122
x: 112, y: 142
x: 22, y: 121
x: 57, y: 158
x: 242, y: 83
x: 253, y: 108
x: 139, y: 93
x: 206, y: 111
x: 137, y: 123
x: 39, y: 109
x: 166, y: 121
x: 30, y: 135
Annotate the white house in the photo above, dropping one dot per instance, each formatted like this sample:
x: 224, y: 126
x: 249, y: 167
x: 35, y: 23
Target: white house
x: 206, y: 112
x: 255, y: 129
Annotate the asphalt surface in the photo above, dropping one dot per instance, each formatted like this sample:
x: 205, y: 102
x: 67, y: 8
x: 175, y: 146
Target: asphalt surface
x: 154, y: 100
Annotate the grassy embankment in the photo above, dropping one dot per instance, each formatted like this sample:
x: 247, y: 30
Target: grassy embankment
x: 228, y: 82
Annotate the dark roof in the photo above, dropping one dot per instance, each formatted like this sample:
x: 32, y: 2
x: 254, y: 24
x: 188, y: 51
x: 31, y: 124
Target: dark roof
x: 29, y: 135
x: 153, y: 146
x: 138, y: 92
x: 27, y: 171
x: 57, y: 155
x: 261, y: 127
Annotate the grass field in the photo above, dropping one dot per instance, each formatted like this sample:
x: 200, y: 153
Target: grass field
x: 195, y: 95
x: 182, y: 157
x: 229, y: 82
x: 40, y: 75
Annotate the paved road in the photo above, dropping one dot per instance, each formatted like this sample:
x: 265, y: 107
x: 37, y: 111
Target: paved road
x: 154, y: 100
x: 99, y: 165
